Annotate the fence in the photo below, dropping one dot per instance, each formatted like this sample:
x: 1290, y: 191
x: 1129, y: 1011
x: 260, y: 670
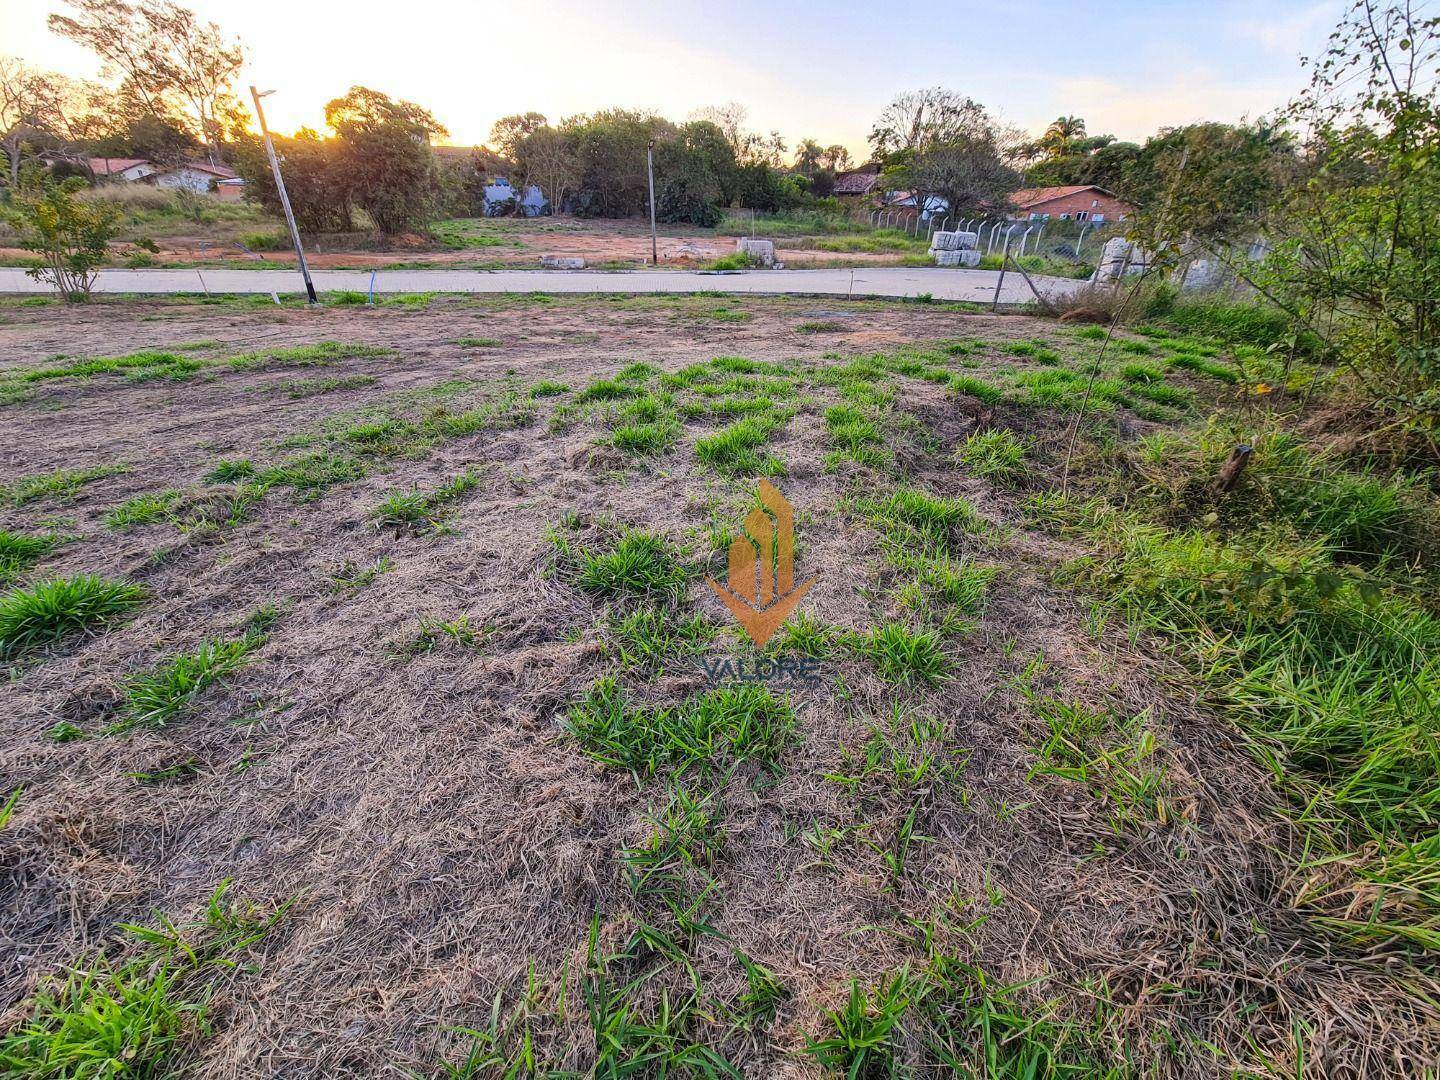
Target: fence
x: 1074, y: 241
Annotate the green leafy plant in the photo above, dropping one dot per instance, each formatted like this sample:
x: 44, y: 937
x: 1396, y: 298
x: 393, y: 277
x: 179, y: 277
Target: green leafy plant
x: 70, y: 235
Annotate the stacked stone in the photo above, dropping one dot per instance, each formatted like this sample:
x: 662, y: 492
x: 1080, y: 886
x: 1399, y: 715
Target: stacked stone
x: 955, y: 248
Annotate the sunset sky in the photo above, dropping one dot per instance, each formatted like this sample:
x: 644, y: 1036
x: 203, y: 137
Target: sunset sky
x: 807, y: 69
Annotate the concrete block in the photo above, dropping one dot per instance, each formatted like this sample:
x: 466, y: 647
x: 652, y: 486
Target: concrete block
x: 954, y: 241
x: 968, y: 257
x: 762, y: 251
x: 562, y: 262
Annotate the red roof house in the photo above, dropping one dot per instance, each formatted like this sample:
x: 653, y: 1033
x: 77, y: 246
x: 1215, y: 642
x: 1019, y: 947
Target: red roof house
x: 857, y: 183
x: 1077, y: 202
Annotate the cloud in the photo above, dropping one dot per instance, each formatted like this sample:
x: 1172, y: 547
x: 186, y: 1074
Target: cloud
x: 1135, y: 111
x: 1290, y: 34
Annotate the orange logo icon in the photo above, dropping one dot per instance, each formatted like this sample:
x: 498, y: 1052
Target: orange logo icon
x: 761, y: 592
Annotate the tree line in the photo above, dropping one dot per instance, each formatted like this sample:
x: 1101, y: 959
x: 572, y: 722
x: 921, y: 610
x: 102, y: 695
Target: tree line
x: 172, y: 96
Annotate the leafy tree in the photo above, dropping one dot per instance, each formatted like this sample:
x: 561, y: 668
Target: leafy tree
x: 384, y: 155
x: 315, y: 179
x: 509, y: 132
x: 1209, y: 180
x: 30, y: 106
x: 545, y: 157
x: 1356, y: 260
x: 168, y: 62
x: 809, y: 156
x: 1061, y: 135
x: 609, y: 155
x: 71, y: 236
x: 695, y: 170
x: 836, y: 158
x: 934, y: 142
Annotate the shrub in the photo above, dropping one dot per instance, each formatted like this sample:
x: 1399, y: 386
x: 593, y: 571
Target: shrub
x: 71, y: 236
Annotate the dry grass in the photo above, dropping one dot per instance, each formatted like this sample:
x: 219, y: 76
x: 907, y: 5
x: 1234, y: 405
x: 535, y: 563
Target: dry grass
x: 480, y: 832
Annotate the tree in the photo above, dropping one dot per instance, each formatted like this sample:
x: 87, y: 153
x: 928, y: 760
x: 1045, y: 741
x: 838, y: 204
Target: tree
x: 608, y: 151
x: 509, y: 132
x: 167, y: 61
x: 384, y: 156
x: 30, y: 105
x: 935, y: 143
x: 114, y: 31
x: 315, y: 179
x: 730, y: 119
x: 835, y: 158
x: 1356, y: 260
x: 1211, y: 181
x: 71, y: 236
x: 919, y: 119
x: 547, y: 160
x: 695, y: 170
x: 809, y: 157
x: 197, y: 65
x: 1062, y: 133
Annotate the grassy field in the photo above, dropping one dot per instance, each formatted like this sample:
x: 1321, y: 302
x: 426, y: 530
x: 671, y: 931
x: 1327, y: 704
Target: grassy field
x: 369, y: 712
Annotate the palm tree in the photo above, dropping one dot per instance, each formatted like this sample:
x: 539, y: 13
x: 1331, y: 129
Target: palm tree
x: 808, y: 156
x: 1062, y: 131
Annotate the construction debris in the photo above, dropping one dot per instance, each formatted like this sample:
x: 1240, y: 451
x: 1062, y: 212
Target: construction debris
x: 562, y: 262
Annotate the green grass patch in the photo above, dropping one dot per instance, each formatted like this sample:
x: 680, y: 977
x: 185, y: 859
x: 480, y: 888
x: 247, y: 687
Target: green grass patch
x: 649, y: 637
x: 134, y: 1015
x: 319, y: 353
x: 734, y: 450
x: 421, y: 511
x: 52, y: 611
x: 62, y: 485
x: 995, y: 454
x: 21, y: 551
x: 639, y: 564
x: 900, y: 654
x: 720, y: 727
x: 164, y: 695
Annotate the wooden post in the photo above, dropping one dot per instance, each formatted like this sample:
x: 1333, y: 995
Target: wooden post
x: 1233, y: 467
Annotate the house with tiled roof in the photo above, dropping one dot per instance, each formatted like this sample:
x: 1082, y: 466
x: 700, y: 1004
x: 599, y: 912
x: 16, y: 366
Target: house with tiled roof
x: 857, y: 183
x: 1076, y: 202
x: 197, y: 176
x: 127, y: 169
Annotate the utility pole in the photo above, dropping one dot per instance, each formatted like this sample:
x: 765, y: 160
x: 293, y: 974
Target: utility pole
x: 284, y: 198
x: 650, y: 172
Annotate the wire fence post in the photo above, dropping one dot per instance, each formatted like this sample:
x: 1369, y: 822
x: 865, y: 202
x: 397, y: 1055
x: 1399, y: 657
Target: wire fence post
x: 1000, y: 281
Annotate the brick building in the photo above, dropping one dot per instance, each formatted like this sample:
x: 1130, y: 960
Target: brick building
x: 1079, y: 202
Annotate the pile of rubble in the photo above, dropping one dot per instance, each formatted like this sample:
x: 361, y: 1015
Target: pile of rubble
x: 955, y: 248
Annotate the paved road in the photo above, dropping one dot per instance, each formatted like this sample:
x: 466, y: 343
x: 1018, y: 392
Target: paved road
x: 941, y: 284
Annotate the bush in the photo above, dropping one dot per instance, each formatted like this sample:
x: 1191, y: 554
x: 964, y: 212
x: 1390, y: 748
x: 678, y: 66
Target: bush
x: 71, y: 236
x: 266, y: 241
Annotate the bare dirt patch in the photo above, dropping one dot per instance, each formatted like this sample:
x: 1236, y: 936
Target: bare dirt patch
x: 415, y: 788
